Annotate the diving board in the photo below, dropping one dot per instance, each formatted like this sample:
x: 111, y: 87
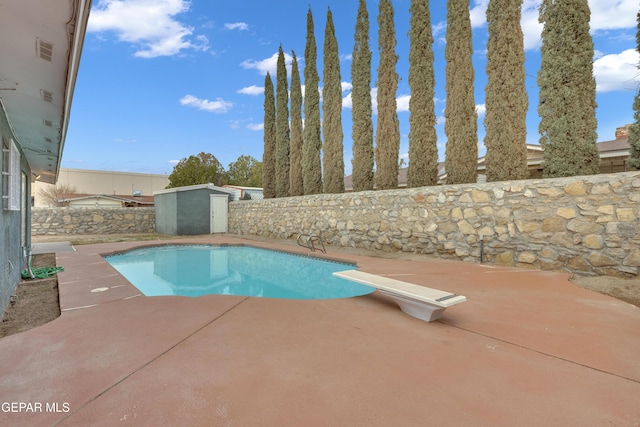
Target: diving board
x: 415, y: 300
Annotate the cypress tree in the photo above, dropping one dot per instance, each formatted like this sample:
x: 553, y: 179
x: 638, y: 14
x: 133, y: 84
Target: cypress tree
x: 567, y: 100
x: 362, y: 129
x: 634, y: 129
x: 388, y: 130
x: 295, y: 182
x: 505, y: 94
x: 423, y: 150
x: 269, y: 154
x: 282, y: 128
x: 461, y: 125
x: 333, y: 158
x: 311, y: 166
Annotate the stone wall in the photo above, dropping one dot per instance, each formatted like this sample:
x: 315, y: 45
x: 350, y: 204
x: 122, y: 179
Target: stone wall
x: 581, y: 224
x: 61, y: 221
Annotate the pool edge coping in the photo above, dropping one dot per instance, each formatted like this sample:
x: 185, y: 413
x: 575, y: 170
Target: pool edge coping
x: 322, y: 257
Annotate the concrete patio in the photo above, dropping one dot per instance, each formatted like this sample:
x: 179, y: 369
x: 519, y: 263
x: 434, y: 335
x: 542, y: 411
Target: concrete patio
x: 527, y: 348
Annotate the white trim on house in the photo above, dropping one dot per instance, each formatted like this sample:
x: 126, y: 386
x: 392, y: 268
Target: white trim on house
x: 12, y: 173
x: 102, y: 200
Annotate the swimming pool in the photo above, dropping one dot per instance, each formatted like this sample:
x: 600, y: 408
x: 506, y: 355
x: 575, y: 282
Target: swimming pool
x: 195, y: 270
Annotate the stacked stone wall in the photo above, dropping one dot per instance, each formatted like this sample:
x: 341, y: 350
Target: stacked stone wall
x: 581, y: 224
x: 70, y: 221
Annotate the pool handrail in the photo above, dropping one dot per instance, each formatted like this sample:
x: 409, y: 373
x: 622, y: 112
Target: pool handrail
x: 307, y: 241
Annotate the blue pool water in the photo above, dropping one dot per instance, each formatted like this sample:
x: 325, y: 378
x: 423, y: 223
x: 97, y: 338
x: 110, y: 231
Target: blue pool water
x: 197, y: 270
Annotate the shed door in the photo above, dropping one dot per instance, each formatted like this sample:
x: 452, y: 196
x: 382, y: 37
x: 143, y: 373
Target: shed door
x: 219, y: 213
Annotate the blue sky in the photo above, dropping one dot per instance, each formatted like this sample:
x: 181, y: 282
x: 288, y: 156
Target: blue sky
x: 161, y: 80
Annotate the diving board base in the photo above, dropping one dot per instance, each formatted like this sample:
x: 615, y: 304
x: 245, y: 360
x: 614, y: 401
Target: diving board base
x: 418, y: 301
x: 418, y: 309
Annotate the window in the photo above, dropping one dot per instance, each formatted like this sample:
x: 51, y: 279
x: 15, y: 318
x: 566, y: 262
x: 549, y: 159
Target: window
x: 11, y: 182
x: 24, y: 232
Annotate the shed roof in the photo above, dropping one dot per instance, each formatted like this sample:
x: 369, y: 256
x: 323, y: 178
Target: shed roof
x: 194, y: 187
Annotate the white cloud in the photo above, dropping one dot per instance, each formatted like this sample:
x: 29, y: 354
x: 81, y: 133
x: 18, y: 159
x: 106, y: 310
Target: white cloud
x: 481, y: 110
x: 217, y: 106
x: 236, y: 26
x: 173, y: 162
x: 613, y: 14
x: 252, y: 90
x: 268, y: 64
x: 374, y: 101
x: 347, y: 101
x: 531, y: 28
x: 605, y: 15
x: 346, y: 86
x: 616, y: 71
x: 478, y: 13
x: 402, y: 103
x: 148, y: 24
x: 439, y: 30
x: 255, y: 126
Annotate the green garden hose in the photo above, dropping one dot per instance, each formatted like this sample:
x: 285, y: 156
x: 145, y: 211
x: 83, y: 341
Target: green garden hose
x: 41, y: 272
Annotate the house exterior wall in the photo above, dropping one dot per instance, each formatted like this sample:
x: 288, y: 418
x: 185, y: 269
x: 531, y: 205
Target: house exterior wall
x: 240, y: 192
x: 255, y: 194
x: 15, y: 235
x: 615, y: 164
x: 95, y: 202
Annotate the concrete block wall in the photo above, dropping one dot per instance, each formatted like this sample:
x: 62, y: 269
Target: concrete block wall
x: 580, y: 224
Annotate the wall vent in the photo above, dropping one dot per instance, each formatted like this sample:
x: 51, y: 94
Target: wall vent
x: 44, y: 49
x: 46, y: 95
